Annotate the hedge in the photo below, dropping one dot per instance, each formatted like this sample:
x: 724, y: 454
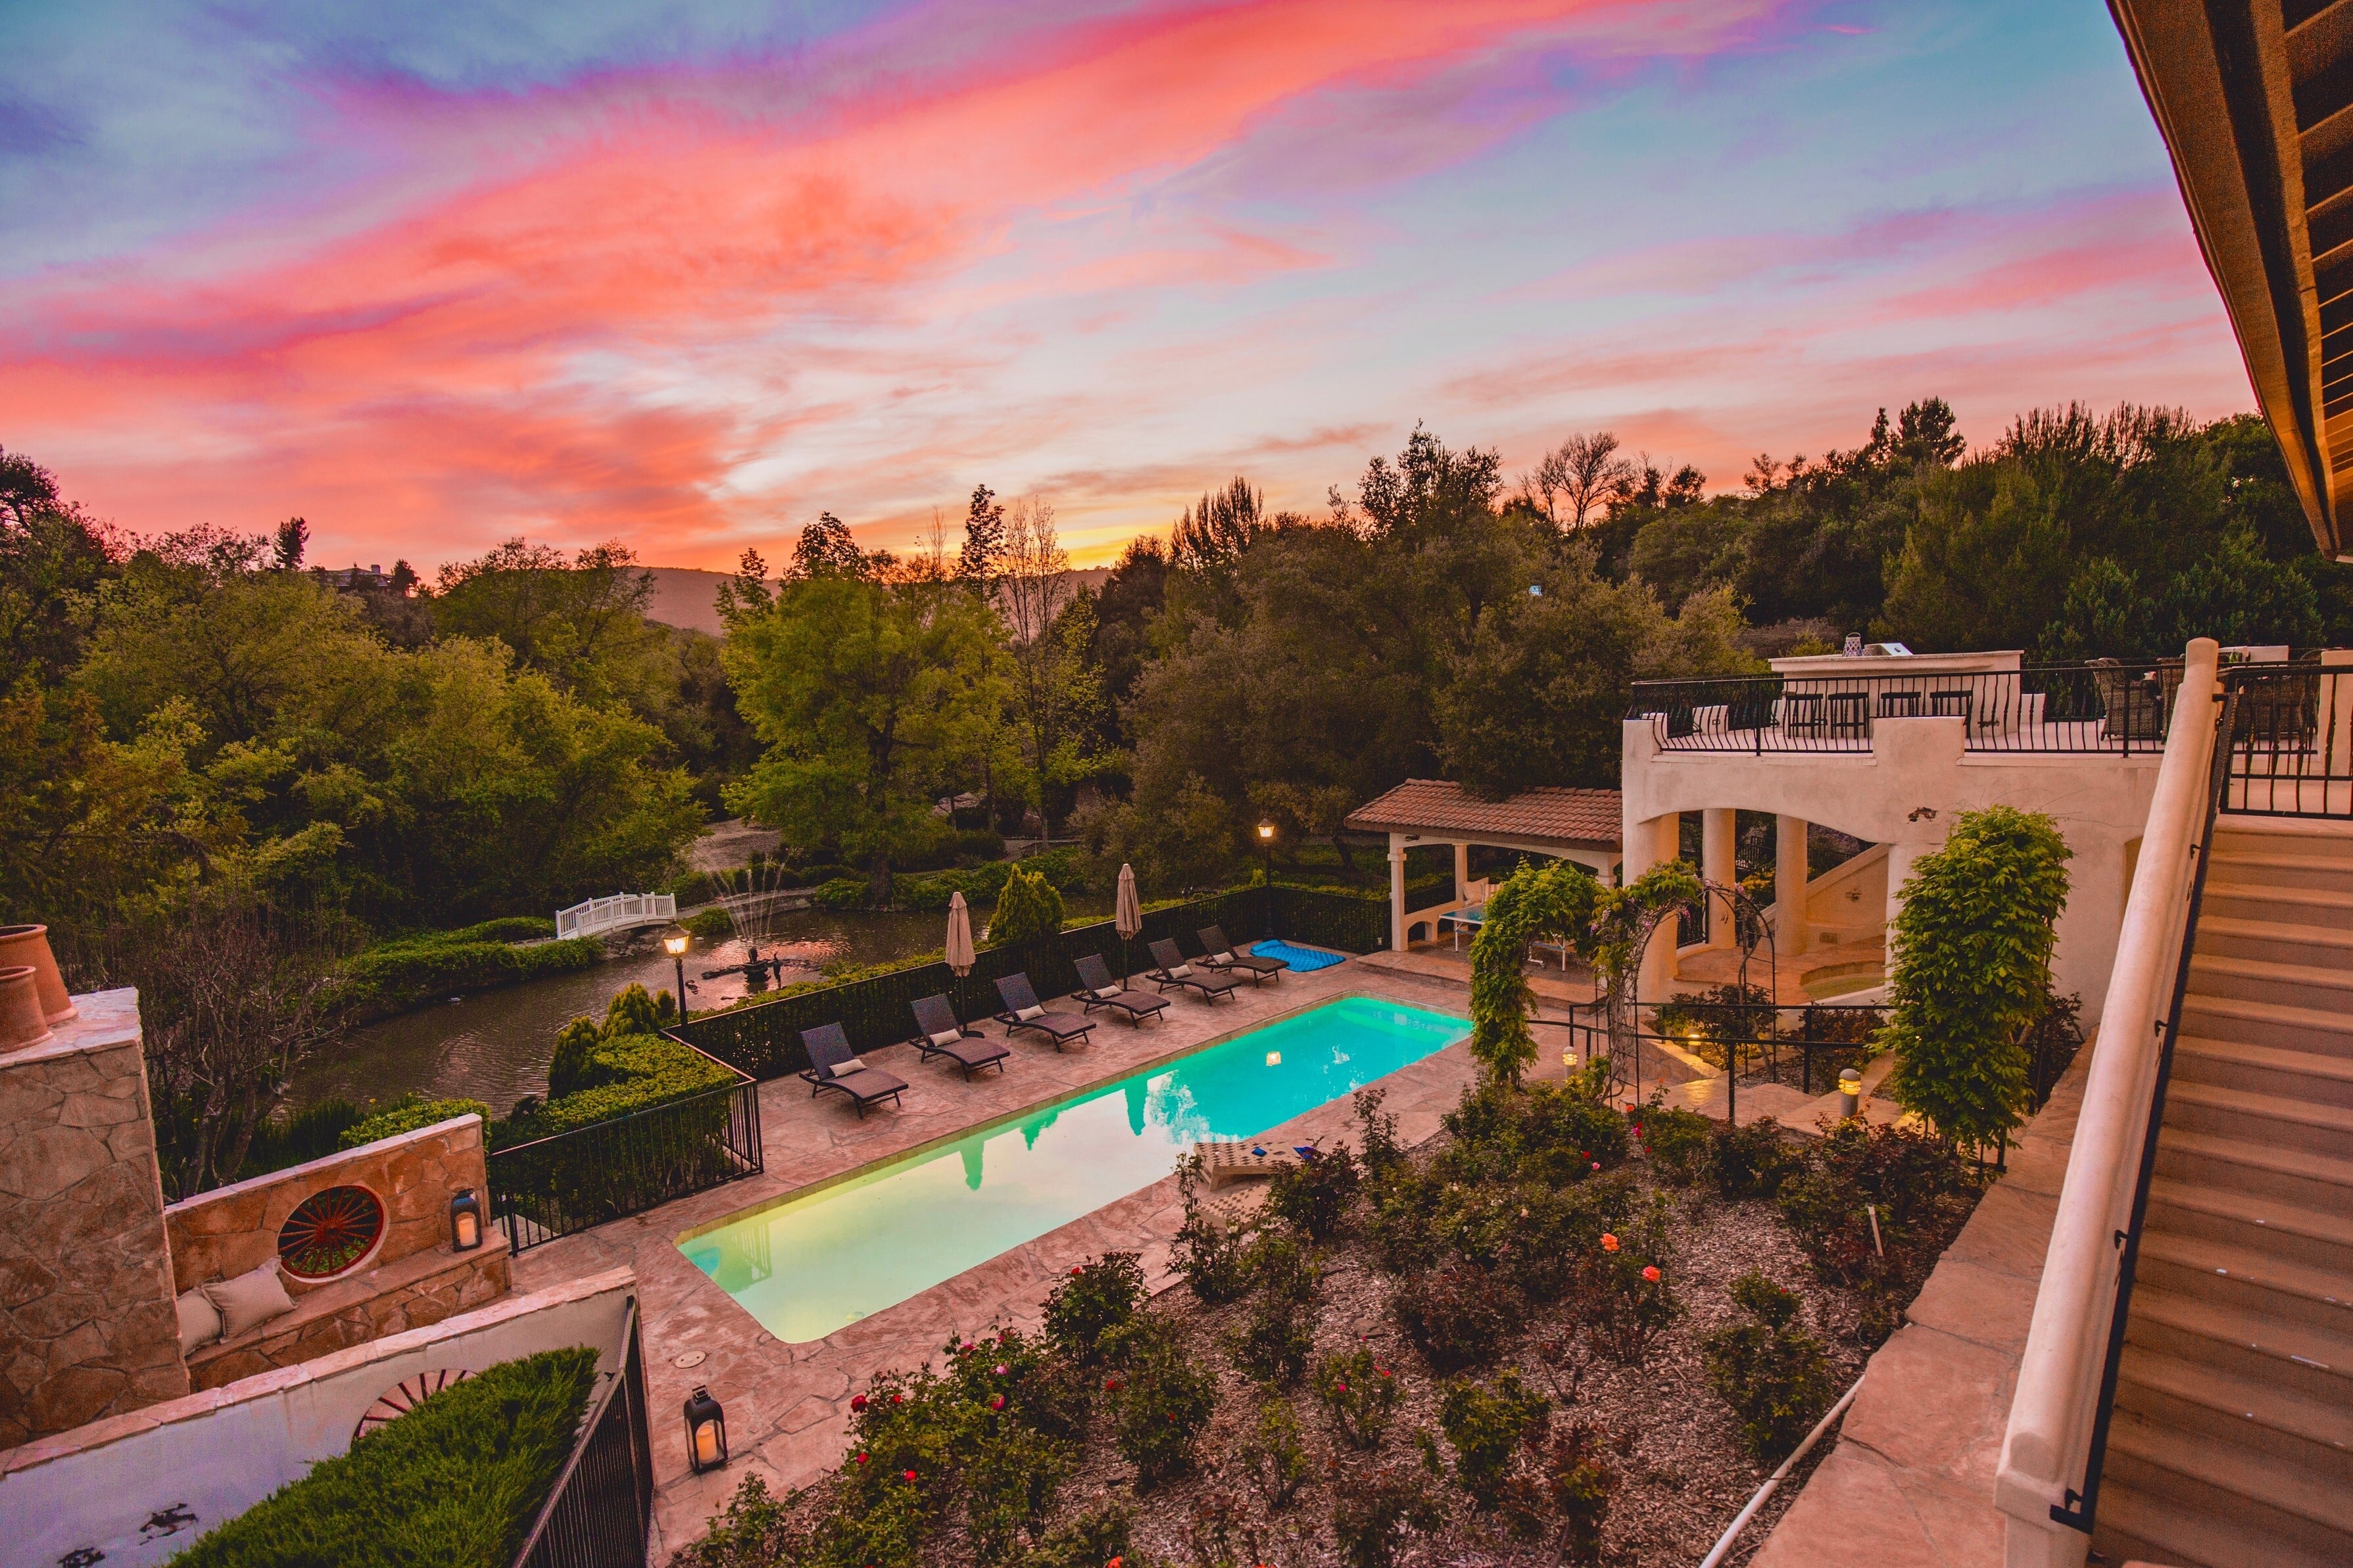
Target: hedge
x: 396, y: 976
x: 455, y: 1483
x: 410, y: 1113
x: 628, y: 1073
x: 763, y: 1039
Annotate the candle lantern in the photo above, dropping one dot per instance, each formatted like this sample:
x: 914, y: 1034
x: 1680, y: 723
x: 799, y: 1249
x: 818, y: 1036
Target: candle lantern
x: 465, y: 1221
x: 706, y: 1431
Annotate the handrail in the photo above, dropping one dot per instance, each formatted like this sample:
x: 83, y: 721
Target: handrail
x: 2053, y: 1417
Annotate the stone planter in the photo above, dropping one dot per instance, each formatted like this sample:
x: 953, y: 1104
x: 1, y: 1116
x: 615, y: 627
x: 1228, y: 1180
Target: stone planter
x: 29, y: 944
x: 21, y: 1021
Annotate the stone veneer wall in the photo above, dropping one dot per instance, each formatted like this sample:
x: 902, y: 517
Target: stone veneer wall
x: 232, y: 1229
x: 87, y: 1328
x: 374, y: 1306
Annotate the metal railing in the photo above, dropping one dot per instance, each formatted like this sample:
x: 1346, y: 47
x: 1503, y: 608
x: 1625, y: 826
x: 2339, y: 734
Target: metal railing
x: 601, y: 1512
x: 594, y: 915
x: 2291, y: 741
x: 2104, y: 705
x: 568, y: 1182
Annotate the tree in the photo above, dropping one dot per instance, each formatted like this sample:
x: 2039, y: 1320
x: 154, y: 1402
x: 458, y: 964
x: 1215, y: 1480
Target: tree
x: 1029, y: 910
x: 293, y: 536
x: 581, y: 622
x: 1056, y: 689
x: 1577, y: 477
x: 984, y: 538
x: 862, y: 688
x: 53, y: 560
x: 1971, y: 971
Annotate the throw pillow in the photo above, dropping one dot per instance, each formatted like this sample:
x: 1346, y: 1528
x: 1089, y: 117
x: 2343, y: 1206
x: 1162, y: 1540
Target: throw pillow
x: 200, y: 1321
x: 1221, y: 958
x: 1026, y: 1014
x: 1181, y: 971
x: 249, y: 1300
x: 848, y: 1065
x: 946, y: 1037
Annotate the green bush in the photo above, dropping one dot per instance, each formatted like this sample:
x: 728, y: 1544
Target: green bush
x: 1212, y: 1254
x: 1577, y: 1483
x: 1680, y: 1142
x: 1313, y: 1196
x: 1775, y: 1375
x: 843, y: 893
x: 1554, y: 1132
x: 1098, y: 1297
x: 1029, y: 910
x: 1486, y: 1426
x: 455, y: 1482
x: 407, y: 1115
x: 623, y: 1073
x: 1752, y: 1161
x: 1273, y: 1456
x: 712, y: 924
x: 1359, y: 1394
x: 1162, y: 1400
x: 1457, y: 1315
x: 1373, y: 1514
x: 396, y: 976
x: 1627, y: 1293
x: 1278, y: 1334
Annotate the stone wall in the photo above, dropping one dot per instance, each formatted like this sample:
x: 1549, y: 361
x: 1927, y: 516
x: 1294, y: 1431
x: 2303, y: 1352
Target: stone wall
x: 87, y: 1328
x: 224, y: 1232
x: 419, y: 1292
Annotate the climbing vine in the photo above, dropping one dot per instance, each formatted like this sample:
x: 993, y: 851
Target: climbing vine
x: 1556, y: 903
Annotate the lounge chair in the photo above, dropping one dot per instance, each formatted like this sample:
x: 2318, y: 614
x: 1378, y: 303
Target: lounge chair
x: 1220, y: 954
x: 1097, y: 990
x: 1023, y: 1011
x: 937, y: 1033
x: 833, y: 1065
x: 1175, y: 970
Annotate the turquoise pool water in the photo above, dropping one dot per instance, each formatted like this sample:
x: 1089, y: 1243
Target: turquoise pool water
x: 807, y: 1267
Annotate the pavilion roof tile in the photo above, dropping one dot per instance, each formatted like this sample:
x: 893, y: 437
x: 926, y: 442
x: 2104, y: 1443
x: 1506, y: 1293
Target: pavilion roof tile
x: 1581, y: 817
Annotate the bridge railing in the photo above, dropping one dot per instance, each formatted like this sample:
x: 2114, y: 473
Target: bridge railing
x: 593, y: 915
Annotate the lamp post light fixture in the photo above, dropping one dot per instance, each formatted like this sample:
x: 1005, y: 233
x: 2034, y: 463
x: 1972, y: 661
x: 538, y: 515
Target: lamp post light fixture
x: 1266, y: 855
x: 706, y: 1431
x: 676, y: 947
x: 465, y: 1221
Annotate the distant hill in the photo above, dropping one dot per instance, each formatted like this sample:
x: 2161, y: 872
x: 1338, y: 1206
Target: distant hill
x: 689, y: 598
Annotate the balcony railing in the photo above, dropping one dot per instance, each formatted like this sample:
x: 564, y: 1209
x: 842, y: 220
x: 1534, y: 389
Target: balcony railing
x: 2104, y: 705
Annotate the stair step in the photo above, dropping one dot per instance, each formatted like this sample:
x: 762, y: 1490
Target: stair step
x: 2257, y: 1346
x: 2259, y: 1023
x: 2269, y: 980
x: 2257, y: 1168
x: 2168, y: 1391
x: 2279, y: 868
x: 2159, y: 1503
x: 2232, y: 936
x: 2255, y: 900
x: 2290, y: 1122
x: 2278, y: 836
x: 2275, y: 1071
x: 2261, y: 1221
x: 2244, y: 1279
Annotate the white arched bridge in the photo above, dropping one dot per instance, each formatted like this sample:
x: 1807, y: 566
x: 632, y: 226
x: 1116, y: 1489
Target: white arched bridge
x: 619, y: 912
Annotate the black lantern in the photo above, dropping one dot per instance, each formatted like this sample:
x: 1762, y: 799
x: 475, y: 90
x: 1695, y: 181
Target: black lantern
x: 706, y: 1431
x: 465, y: 1221
x: 676, y: 947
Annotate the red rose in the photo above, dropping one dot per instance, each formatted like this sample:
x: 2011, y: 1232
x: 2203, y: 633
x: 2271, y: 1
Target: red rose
x: 1651, y: 1273
x: 862, y: 1459
x: 858, y: 1402
x: 1608, y: 1242
x: 909, y: 1474
x: 997, y: 1402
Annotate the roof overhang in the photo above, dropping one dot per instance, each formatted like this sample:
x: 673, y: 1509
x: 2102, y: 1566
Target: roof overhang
x: 2254, y: 98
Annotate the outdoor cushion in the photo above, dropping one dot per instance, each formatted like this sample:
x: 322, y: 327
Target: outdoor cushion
x: 1026, y: 1014
x: 946, y: 1037
x: 1181, y: 971
x: 200, y: 1321
x: 249, y: 1300
x: 1221, y: 958
x: 844, y: 1067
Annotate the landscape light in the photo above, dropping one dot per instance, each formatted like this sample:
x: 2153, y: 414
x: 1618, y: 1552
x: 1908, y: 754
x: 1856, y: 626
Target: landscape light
x: 1275, y: 1058
x: 1266, y: 830
x: 465, y: 1221
x: 706, y: 1431
x: 674, y: 945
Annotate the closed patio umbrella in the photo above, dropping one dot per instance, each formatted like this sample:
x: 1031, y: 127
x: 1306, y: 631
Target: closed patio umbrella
x: 1128, y: 918
x: 959, y: 954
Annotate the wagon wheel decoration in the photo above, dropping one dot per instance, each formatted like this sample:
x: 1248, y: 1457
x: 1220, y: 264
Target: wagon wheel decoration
x: 405, y: 1396
x: 329, y: 1232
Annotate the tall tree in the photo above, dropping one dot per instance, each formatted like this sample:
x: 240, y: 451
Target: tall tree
x: 984, y: 538
x: 1575, y: 480
x: 292, y: 538
x: 581, y: 622
x: 1056, y: 689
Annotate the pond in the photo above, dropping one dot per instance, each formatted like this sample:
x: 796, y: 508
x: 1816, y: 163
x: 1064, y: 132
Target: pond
x: 494, y: 1046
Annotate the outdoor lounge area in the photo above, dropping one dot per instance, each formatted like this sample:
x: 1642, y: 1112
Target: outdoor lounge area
x: 1578, y: 824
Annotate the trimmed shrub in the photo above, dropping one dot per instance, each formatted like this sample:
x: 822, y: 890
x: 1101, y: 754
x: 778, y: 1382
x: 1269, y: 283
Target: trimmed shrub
x: 1098, y: 1298
x: 842, y: 893
x: 1374, y: 1514
x: 1273, y: 1456
x: 1213, y: 1256
x: 624, y: 1073
x: 713, y: 924
x: 1313, y: 1196
x: 1775, y: 1375
x: 1029, y: 910
x: 1486, y: 1426
x: 1162, y: 1400
x: 1278, y: 1334
x: 1752, y: 1161
x: 1579, y: 1481
x: 1359, y: 1394
x: 455, y: 1481
x: 1458, y: 1316
x: 407, y: 1115
x: 396, y: 976
x: 1680, y: 1144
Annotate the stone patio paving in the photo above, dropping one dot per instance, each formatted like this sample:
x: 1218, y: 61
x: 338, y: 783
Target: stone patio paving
x: 788, y: 1406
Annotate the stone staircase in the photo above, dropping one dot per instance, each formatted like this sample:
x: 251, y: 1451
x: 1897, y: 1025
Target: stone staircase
x: 2231, y: 1444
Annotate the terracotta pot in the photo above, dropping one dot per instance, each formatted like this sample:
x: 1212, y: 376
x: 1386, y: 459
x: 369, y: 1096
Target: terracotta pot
x: 21, y: 1023
x: 30, y: 944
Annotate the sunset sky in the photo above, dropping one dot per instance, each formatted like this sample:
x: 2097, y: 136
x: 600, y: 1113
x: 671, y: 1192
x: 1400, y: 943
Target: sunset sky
x: 684, y: 275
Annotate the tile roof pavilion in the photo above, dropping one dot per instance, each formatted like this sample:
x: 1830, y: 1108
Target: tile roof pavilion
x: 1580, y: 824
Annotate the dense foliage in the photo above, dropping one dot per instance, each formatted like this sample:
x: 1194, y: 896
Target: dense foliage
x: 456, y: 1482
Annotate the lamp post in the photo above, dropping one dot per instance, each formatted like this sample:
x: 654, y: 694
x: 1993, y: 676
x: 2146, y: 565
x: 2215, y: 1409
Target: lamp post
x: 1266, y: 857
x: 676, y: 947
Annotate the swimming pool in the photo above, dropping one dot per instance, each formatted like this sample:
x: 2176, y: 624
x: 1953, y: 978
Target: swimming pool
x: 805, y: 1267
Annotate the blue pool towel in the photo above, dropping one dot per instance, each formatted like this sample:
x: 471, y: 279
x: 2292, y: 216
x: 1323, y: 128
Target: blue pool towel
x: 1302, y: 960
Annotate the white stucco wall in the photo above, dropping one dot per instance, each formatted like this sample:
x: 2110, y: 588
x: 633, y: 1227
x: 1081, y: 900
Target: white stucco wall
x: 139, y: 1488
x: 1904, y: 792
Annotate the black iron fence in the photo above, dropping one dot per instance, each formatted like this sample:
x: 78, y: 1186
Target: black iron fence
x: 764, y: 1038
x: 2289, y: 751
x: 553, y: 1186
x: 2103, y: 705
x: 601, y: 1512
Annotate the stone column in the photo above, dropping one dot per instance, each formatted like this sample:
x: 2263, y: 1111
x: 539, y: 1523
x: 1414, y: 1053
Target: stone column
x: 2336, y: 713
x: 86, y: 1325
x: 1397, y: 893
x: 1461, y: 870
x: 1788, y: 886
x: 1717, y: 833
x: 1658, y: 968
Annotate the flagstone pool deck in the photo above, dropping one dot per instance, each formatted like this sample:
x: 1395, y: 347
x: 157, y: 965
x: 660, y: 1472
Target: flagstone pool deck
x: 788, y: 1407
